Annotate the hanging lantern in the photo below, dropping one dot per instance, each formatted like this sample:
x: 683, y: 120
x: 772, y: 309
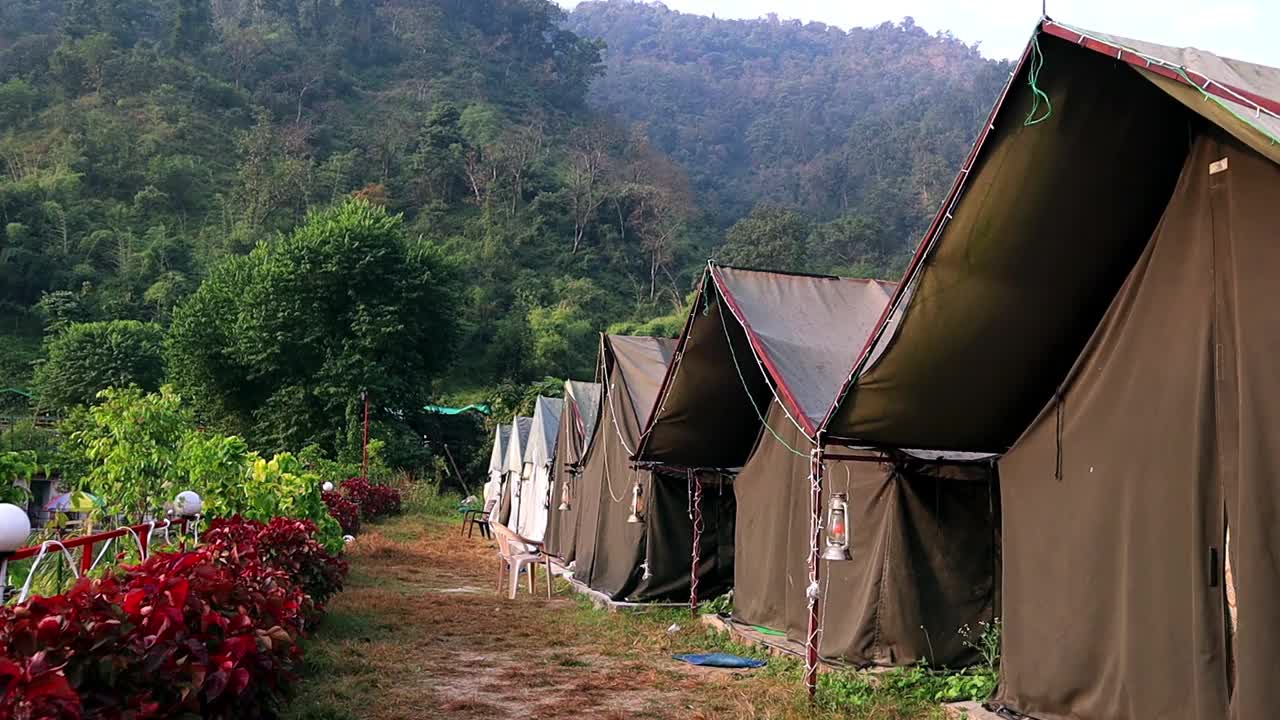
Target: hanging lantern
x: 637, y: 504
x: 564, y: 495
x: 838, y: 529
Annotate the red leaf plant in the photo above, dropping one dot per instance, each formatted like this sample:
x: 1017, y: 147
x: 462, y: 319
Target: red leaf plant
x: 375, y: 501
x: 346, y: 512
x: 210, y: 633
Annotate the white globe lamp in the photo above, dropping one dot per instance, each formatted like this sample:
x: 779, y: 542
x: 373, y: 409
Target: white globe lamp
x: 327, y: 486
x: 15, y: 527
x: 188, y: 504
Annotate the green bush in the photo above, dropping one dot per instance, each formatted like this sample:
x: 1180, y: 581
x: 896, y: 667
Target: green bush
x: 141, y: 450
x: 88, y: 358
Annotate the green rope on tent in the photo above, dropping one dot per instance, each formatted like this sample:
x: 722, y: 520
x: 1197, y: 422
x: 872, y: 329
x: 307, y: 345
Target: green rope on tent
x: 750, y: 400
x: 1210, y: 97
x: 1038, y: 95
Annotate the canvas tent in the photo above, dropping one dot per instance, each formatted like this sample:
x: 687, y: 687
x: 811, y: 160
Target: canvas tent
x: 513, y: 469
x: 1096, y: 300
x: 648, y: 560
x: 577, y: 428
x: 497, y: 460
x: 778, y: 345
x: 535, y: 484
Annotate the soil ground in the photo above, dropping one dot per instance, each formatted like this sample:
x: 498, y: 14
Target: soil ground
x: 420, y: 633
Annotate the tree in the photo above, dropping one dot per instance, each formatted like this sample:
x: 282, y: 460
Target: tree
x: 770, y: 239
x: 192, y: 27
x: 278, y: 346
x: 88, y: 358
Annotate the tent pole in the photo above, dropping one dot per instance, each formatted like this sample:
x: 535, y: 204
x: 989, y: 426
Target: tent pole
x: 812, y: 592
x: 696, y: 481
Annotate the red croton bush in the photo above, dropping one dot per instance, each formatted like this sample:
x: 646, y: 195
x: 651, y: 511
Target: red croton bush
x: 374, y: 501
x: 346, y: 512
x: 208, y: 633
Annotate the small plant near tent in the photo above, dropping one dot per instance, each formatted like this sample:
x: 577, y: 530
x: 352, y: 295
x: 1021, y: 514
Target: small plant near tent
x: 979, y: 681
x: 721, y: 605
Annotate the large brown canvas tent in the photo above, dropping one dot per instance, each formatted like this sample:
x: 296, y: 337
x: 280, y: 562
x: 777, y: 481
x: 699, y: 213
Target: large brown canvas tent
x: 647, y: 561
x: 776, y: 346
x: 577, y: 427
x: 1096, y: 300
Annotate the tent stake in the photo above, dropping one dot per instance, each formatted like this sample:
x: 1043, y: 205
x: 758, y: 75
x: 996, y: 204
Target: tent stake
x: 815, y: 529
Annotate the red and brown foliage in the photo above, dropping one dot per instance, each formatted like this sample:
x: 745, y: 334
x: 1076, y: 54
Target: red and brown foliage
x: 345, y: 511
x: 208, y: 633
x: 374, y: 500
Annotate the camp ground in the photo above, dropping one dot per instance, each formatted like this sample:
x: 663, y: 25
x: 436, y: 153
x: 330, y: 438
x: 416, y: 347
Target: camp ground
x: 577, y: 428
x: 761, y: 359
x: 1094, y: 303
x: 1059, y: 418
x: 533, y: 493
x: 635, y: 524
x: 513, y: 469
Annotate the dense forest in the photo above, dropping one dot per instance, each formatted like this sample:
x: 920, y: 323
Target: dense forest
x: 546, y: 174
x: 864, y: 127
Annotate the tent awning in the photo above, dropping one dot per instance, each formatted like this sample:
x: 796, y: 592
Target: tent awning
x: 751, y: 335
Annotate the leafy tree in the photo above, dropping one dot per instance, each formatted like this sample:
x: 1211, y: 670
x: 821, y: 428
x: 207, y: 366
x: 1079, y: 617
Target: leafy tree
x: 192, y: 26
x: 280, y: 345
x: 131, y: 442
x: 770, y: 238
x: 87, y: 358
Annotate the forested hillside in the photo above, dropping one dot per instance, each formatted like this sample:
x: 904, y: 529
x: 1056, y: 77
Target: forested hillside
x: 864, y: 127
x: 555, y: 175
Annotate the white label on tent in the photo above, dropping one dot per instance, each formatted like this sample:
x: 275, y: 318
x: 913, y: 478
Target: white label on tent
x: 1217, y: 167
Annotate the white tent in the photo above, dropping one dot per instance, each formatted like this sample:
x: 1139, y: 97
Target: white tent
x: 493, y: 485
x: 535, y: 484
x: 513, y: 469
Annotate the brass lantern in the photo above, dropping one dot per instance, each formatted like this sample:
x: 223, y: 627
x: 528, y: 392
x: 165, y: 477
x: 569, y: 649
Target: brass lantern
x: 637, y: 504
x: 564, y: 495
x: 838, y: 529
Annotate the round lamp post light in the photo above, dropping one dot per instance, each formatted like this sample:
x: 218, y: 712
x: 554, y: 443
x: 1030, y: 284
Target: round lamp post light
x: 327, y: 486
x: 15, y: 527
x: 187, y: 504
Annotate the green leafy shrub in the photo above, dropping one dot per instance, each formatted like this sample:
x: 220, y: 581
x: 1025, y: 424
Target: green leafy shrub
x: 88, y: 358
x: 141, y: 450
x: 16, y: 467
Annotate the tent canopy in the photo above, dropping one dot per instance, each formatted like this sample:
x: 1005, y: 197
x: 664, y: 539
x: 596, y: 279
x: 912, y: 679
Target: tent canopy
x: 517, y: 438
x: 582, y: 400
x: 750, y: 331
x: 541, y: 448
x: 1040, y: 229
x: 498, y: 457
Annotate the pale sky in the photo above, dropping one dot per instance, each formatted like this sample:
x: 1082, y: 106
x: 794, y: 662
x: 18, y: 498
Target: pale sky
x: 1241, y: 29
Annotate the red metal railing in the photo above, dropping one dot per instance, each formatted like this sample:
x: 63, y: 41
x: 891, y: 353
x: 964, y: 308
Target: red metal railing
x: 141, y: 532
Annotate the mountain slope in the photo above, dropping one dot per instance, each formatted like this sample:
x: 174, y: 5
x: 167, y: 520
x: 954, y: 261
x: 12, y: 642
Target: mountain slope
x: 870, y: 122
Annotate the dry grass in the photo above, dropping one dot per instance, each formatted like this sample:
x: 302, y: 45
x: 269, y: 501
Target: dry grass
x: 420, y: 633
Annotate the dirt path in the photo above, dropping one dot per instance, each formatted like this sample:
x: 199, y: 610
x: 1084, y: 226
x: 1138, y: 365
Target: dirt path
x: 420, y: 633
